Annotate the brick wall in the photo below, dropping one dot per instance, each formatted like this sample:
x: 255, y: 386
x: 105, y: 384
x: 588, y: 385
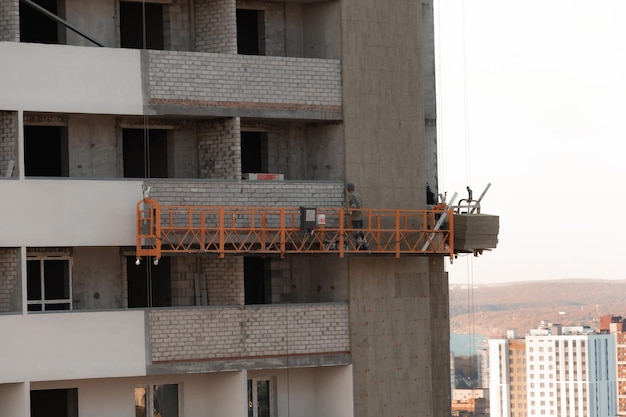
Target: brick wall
x: 9, y: 20
x: 9, y: 280
x: 216, y: 26
x: 219, y: 148
x: 238, y: 332
x: 242, y: 81
x: 8, y: 142
x: 248, y: 193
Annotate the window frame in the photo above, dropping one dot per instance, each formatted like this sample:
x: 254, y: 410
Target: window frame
x: 253, y: 404
x: 149, y: 390
x: 42, y: 301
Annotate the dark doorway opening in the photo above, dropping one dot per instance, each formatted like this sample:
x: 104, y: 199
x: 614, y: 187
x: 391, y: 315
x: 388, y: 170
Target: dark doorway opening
x: 149, y: 285
x: 145, y: 153
x: 257, y: 281
x: 254, y: 152
x: 35, y: 27
x: 137, y: 20
x: 250, y: 32
x: 45, y: 151
x: 54, y: 403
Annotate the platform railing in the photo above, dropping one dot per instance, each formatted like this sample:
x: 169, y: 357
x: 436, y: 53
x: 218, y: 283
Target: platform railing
x: 223, y: 230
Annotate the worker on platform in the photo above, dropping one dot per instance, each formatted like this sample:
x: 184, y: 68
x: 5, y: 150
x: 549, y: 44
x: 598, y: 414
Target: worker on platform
x: 355, y: 204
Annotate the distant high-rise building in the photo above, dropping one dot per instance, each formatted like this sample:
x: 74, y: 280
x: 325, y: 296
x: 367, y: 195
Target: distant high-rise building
x: 616, y: 325
x: 571, y: 375
x: 483, y: 367
x: 507, y: 377
x: 550, y: 373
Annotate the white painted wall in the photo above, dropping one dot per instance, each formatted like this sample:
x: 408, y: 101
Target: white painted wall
x: 68, y: 212
x: 70, y: 79
x: 334, y: 391
x: 312, y: 392
x: 225, y: 395
x: 14, y: 399
x: 39, y: 347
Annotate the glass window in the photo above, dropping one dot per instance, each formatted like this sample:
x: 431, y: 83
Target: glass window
x: 48, y: 284
x: 159, y: 400
x: 261, y: 397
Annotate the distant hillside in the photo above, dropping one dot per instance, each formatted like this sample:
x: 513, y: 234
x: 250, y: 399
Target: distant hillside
x: 522, y: 306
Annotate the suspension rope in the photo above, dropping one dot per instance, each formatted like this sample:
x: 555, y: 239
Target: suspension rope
x: 469, y: 259
x: 146, y: 155
x: 466, y: 98
x: 439, y: 104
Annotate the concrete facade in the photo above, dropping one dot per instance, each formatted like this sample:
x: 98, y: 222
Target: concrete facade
x: 339, y: 91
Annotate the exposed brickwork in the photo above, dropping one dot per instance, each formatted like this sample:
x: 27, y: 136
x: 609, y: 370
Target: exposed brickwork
x: 219, y: 149
x: 10, y: 20
x: 216, y: 26
x: 9, y: 280
x: 8, y: 142
x: 183, y: 78
x: 248, y: 193
x: 224, y: 280
x: 240, y: 332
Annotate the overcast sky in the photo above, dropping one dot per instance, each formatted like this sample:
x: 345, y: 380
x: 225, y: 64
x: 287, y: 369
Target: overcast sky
x: 532, y: 99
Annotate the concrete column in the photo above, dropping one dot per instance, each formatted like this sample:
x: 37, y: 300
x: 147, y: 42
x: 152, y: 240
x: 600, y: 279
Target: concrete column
x: 391, y: 337
x: 10, y: 20
x: 397, y: 332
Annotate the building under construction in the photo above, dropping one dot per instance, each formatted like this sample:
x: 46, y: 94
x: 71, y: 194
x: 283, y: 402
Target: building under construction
x: 174, y: 239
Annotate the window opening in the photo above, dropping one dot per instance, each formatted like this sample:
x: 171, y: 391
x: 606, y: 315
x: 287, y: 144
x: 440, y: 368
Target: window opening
x: 139, y: 19
x: 250, y: 32
x: 149, y: 285
x: 254, y: 152
x: 54, y: 402
x: 145, y: 153
x: 159, y: 400
x: 261, y: 397
x: 256, y: 280
x: 35, y: 27
x: 46, y: 151
x: 48, y: 284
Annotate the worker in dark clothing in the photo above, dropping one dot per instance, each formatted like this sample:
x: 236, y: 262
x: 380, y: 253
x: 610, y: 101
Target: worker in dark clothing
x: 355, y: 204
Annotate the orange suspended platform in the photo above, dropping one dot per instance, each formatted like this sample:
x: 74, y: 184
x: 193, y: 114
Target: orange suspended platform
x: 235, y: 230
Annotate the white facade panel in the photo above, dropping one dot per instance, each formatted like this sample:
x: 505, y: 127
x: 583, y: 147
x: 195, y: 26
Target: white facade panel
x: 70, y: 79
x: 68, y: 212
x: 14, y: 398
x: 72, y: 346
x: 499, y: 401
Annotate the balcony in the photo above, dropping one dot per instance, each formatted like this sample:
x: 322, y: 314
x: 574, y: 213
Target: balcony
x: 224, y: 338
x: 114, y: 343
x: 244, y: 85
x: 70, y: 79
